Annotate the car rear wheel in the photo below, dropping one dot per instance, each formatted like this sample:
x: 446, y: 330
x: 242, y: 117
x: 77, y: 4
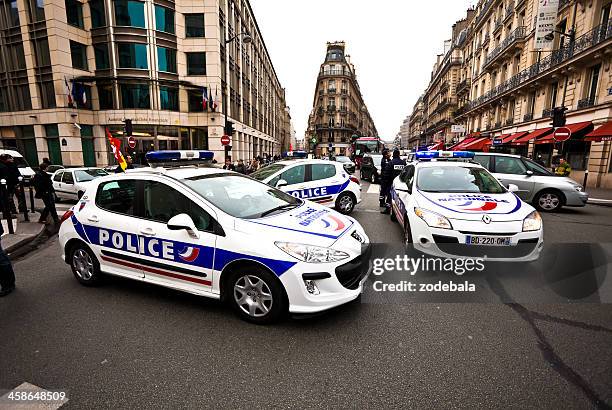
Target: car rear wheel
x: 408, y: 244
x: 548, y: 201
x: 345, y: 203
x: 85, y: 266
x: 392, y: 215
x: 256, y: 295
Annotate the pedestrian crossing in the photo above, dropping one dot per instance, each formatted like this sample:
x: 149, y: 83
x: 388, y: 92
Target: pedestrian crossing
x: 373, y: 189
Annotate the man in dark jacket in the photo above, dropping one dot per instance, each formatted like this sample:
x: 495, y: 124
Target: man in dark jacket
x: 385, y: 172
x: 12, y: 183
x: 228, y: 165
x: 241, y: 168
x: 393, y: 169
x: 130, y: 165
x: 7, y: 276
x: 44, y: 190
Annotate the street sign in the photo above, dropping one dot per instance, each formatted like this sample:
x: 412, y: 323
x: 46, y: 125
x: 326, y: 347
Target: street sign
x: 132, y: 142
x: 497, y: 141
x: 455, y: 128
x: 225, y: 140
x: 562, y: 134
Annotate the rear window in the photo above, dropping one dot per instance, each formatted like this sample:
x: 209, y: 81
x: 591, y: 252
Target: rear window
x: 117, y: 196
x: 321, y: 171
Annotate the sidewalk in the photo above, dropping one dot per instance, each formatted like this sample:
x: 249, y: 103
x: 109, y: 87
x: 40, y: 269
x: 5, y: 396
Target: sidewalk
x: 25, y: 232
x: 600, y: 196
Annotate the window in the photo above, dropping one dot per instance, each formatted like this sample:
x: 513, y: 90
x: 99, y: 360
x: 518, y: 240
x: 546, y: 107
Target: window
x: 295, y: 175
x: 105, y: 95
x: 458, y: 180
x: 164, y: 19
x: 162, y: 202
x: 168, y: 97
x: 98, y: 16
x: 484, y: 160
x: 166, y: 59
x: 22, y: 97
x: 101, y: 54
x: 36, y: 9
x: 132, y: 55
x: 117, y: 196
x: 196, y: 63
x: 41, y: 47
x: 67, y: 178
x: 509, y: 165
x: 536, y: 168
x: 407, y: 175
x: 594, y: 83
x: 13, y: 14
x: 322, y: 171
x: 47, y: 94
x: 195, y: 101
x: 553, y: 94
x: 135, y: 96
x: 78, y: 52
x: 53, y: 143
x: 58, y: 176
x: 129, y: 13
x: 74, y: 13
x: 531, y: 103
x: 194, y: 25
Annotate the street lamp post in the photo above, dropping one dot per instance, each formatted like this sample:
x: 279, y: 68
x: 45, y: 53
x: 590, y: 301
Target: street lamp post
x: 246, y: 39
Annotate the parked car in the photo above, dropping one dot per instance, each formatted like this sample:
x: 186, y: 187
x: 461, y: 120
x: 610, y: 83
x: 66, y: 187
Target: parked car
x: 71, y: 184
x: 371, y: 167
x: 347, y: 163
x: 24, y: 168
x: 51, y: 169
x: 537, y: 185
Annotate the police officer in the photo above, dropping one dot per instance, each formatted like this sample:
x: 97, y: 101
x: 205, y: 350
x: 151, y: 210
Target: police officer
x: 385, y: 174
x: 393, y: 169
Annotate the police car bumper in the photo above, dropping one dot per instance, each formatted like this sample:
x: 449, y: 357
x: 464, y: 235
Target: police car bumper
x: 505, y: 245
x: 313, y: 288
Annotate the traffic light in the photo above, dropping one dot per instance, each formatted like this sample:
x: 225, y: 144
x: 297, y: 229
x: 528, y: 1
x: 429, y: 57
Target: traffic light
x: 559, y: 116
x: 229, y: 128
x: 128, y: 127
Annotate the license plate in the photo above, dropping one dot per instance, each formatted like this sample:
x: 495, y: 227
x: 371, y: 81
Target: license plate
x: 487, y: 240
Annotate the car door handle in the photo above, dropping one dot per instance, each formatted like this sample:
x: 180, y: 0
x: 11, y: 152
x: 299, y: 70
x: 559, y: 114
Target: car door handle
x: 93, y: 219
x: 147, y: 232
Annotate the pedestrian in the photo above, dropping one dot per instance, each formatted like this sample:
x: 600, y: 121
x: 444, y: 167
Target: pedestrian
x: 564, y: 169
x: 7, y: 275
x: 385, y: 180
x: 254, y: 166
x: 46, y: 161
x: 44, y: 190
x: 130, y: 165
x: 228, y: 165
x: 240, y: 167
x: 396, y: 166
x: 12, y: 183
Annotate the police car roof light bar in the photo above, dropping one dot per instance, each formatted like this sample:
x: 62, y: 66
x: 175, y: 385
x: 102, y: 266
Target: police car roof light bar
x: 178, y: 158
x: 296, y: 154
x: 444, y: 155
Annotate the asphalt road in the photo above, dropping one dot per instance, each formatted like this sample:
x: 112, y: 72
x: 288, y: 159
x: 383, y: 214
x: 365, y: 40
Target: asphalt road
x: 128, y: 344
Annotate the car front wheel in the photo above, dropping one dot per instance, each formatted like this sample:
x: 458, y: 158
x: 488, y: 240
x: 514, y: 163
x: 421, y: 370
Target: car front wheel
x: 548, y: 201
x: 345, y: 203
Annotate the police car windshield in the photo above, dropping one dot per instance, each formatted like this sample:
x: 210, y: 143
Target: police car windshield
x: 266, y: 172
x: 89, y: 174
x: 458, y: 180
x: 241, y: 196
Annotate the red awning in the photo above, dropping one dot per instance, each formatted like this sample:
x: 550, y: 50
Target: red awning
x: 532, y: 135
x: 577, y: 129
x: 476, y: 145
x: 465, y: 141
x: 512, y: 137
x: 603, y: 133
x: 436, y: 146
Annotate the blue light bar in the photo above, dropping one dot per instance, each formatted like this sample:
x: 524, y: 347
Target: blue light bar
x: 429, y: 155
x: 178, y: 156
x: 296, y: 154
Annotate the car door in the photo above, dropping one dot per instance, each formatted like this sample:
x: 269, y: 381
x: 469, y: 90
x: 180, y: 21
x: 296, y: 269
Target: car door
x: 176, y: 258
x: 111, y: 225
x: 511, y: 170
x: 68, y: 187
x: 324, y: 182
x: 402, y: 192
x: 57, y: 184
x: 295, y: 176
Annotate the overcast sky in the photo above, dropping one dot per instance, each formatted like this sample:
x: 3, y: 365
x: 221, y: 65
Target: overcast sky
x: 393, y: 44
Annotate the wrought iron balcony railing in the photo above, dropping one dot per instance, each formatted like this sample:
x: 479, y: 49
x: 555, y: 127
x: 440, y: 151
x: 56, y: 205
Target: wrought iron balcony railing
x: 586, y: 102
x: 517, y: 35
x: 547, y: 113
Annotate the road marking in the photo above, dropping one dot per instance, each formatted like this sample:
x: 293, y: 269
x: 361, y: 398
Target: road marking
x: 25, y: 387
x: 373, y: 189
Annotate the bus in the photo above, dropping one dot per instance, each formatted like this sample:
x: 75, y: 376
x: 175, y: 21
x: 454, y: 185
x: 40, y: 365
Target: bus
x: 365, y: 145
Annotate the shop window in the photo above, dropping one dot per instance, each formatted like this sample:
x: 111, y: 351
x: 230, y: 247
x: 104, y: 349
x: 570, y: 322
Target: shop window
x: 132, y: 55
x: 129, y: 13
x: 166, y: 59
x: 196, y: 63
x: 164, y: 19
x: 101, y: 54
x: 78, y: 52
x: 74, y: 13
x: 135, y: 96
x: 194, y: 25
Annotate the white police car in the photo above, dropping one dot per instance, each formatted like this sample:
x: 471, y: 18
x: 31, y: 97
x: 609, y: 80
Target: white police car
x: 218, y: 234
x: 325, y: 182
x: 452, y: 207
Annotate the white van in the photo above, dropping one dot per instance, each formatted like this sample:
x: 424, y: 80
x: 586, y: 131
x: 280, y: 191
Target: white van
x: 24, y: 168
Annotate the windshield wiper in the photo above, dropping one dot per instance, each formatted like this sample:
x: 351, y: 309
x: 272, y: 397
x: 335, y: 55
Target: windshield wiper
x: 278, y: 208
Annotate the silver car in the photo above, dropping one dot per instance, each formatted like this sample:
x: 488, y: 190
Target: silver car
x: 537, y: 185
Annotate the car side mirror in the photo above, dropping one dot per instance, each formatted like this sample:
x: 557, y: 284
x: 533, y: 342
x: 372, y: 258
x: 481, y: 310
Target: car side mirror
x: 182, y: 222
x: 513, y: 188
x: 529, y: 172
x: 281, y: 183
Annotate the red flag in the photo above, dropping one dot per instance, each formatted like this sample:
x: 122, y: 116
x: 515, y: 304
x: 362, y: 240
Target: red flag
x: 204, y: 99
x: 116, y: 147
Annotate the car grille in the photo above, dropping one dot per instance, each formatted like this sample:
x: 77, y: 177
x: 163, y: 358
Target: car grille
x: 351, y: 273
x: 451, y: 245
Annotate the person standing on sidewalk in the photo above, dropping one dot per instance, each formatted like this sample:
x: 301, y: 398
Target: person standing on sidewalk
x: 44, y: 190
x: 7, y: 276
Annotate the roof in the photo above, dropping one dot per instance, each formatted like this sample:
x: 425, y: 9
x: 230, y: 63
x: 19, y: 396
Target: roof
x: 176, y: 173
x: 448, y: 163
x: 304, y: 161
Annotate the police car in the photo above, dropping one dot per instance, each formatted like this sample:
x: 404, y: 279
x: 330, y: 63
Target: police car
x: 218, y: 234
x: 450, y: 206
x: 325, y: 182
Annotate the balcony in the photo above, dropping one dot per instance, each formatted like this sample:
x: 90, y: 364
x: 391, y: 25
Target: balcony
x: 497, y: 124
x: 509, y: 12
x: 586, y: 102
x: 459, y: 110
x: 528, y: 117
x: 343, y: 110
x: 331, y: 91
x: 331, y: 73
x: 483, y: 12
x: 563, y: 3
x: 547, y: 113
x: 519, y: 34
x: 589, y: 40
x: 509, y: 121
x: 463, y: 86
x: 498, y: 25
x: 344, y: 91
x: 486, y: 39
x: 331, y: 108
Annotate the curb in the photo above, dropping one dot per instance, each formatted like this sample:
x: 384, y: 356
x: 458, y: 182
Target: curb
x: 27, y: 244
x: 601, y: 202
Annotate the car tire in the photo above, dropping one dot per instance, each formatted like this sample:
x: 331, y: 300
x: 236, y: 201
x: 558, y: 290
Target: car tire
x: 256, y: 295
x: 392, y: 215
x: 548, y: 201
x: 345, y: 203
x: 407, y: 235
x: 85, y: 265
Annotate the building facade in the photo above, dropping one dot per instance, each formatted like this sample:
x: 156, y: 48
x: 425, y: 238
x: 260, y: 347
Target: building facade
x: 339, y: 111
x: 71, y: 69
x: 404, y: 133
x: 507, y: 88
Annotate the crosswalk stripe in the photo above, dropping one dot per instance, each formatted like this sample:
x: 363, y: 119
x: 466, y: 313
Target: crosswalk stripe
x: 373, y: 189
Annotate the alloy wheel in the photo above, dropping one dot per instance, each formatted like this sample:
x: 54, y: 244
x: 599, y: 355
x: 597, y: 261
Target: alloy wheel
x: 253, y: 296
x: 83, y: 265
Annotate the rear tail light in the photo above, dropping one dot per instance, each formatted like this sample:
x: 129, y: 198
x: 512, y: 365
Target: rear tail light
x: 355, y: 180
x: 67, y: 215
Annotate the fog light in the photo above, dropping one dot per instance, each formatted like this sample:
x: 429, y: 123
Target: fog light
x: 311, y: 287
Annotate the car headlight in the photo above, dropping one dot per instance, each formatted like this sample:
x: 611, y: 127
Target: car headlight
x: 433, y: 219
x: 310, y: 253
x: 533, y: 222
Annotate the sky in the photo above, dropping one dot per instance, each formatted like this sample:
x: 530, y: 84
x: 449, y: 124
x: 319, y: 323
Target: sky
x: 393, y: 44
